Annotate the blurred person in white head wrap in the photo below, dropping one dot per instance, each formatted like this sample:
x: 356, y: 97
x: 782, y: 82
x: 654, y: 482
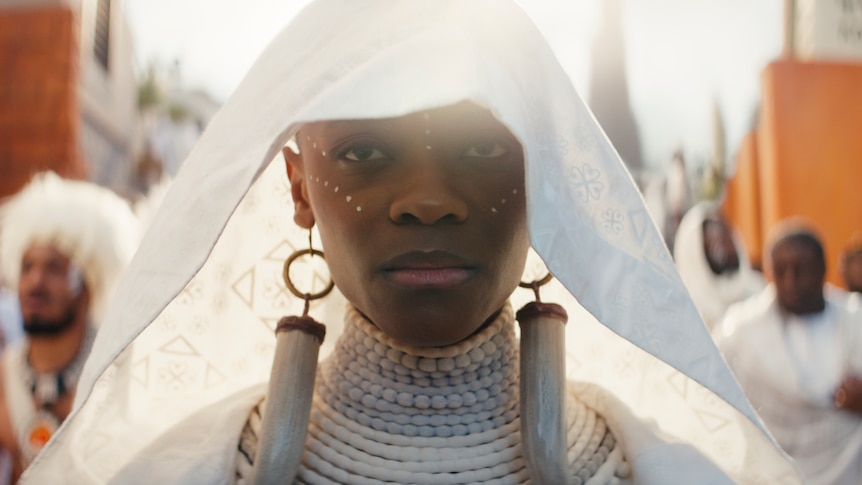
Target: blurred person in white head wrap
x: 430, y: 139
x: 63, y: 245
x: 712, y: 262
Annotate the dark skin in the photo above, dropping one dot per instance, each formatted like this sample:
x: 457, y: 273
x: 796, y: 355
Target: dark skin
x: 849, y: 394
x: 799, y: 274
x: 422, y: 217
x: 718, y: 247
x: 851, y: 271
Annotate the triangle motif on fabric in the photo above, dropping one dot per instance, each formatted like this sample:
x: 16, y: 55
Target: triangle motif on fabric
x: 179, y: 346
x: 244, y: 287
x: 712, y: 422
x: 141, y: 372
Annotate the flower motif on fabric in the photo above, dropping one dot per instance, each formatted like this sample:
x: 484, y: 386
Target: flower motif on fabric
x: 563, y: 147
x: 167, y: 323
x: 612, y: 221
x: 176, y: 376
x: 625, y: 366
x: 197, y: 325
x: 585, y: 182
x: 222, y: 273
x: 191, y: 293
x: 619, y: 301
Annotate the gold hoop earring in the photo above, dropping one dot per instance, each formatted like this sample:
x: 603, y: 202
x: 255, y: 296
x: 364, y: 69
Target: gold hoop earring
x: 308, y: 297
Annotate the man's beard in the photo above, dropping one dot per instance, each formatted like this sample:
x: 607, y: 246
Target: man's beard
x: 39, y: 327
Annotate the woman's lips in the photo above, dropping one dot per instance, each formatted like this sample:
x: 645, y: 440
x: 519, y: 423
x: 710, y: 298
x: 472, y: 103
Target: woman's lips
x: 429, y: 278
x: 435, y: 269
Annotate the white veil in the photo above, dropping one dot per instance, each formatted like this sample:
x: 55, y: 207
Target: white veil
x: 192, y: 321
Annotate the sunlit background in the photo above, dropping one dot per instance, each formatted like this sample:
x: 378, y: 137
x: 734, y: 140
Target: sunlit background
x: 734, y: 101
x: 681, y: 58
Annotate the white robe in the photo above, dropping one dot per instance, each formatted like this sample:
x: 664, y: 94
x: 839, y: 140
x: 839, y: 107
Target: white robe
x: 19, y: 399
x: 790, y: 366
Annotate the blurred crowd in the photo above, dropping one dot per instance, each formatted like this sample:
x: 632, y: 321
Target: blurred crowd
x: 792, y: 339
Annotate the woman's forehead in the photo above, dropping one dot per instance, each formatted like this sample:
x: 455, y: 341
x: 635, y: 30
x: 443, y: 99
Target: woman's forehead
x: 455, y: 117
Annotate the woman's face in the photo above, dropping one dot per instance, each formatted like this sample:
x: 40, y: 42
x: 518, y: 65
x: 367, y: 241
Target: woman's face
x: 422, y: 217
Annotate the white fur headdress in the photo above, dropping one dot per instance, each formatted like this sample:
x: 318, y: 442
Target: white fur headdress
x: 90, y: 224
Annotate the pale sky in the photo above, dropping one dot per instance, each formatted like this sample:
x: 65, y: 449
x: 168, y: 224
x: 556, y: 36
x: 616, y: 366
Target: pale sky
x: 681, y: 55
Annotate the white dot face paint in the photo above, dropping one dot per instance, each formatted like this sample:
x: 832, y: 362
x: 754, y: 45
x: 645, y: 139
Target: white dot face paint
x: 503, y: 201
x: 348, y: 198
x: 359, y: 208
x: 326, y: 183
x: 494, y: 210
x: 336, y: 188
x: 323, y: 153
x: 427, y: 147
x: 514, y: 191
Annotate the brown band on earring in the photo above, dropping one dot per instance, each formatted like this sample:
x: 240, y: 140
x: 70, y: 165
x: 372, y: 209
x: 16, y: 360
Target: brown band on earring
x: 840, y: 397
x: 304, y: 324
x: 533, y: 310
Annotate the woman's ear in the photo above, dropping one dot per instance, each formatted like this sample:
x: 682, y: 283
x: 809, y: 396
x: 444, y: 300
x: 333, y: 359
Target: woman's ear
x: 303, y: 215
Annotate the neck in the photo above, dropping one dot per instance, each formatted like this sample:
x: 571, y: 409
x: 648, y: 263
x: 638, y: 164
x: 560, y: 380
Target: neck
x: 51, y: 354
x: 478, y: 376
x: 812, y: 309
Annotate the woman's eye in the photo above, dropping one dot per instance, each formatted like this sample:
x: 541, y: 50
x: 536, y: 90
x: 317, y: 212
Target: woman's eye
x: 362, y: 153
x: 486, y: 150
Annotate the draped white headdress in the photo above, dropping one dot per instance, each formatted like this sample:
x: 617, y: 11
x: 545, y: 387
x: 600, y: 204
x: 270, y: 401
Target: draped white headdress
x: 712, y: 293
x: 192, y: 321
x: 91, y: 225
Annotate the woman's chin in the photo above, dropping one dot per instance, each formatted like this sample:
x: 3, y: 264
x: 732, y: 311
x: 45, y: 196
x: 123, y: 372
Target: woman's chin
x: 426, y: 335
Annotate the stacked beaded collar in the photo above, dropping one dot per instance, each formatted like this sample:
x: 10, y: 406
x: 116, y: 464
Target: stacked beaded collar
x: 459, y: 390
x: 388, y: 413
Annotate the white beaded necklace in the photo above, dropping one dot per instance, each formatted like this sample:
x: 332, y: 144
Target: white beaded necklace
x: 389, y: 413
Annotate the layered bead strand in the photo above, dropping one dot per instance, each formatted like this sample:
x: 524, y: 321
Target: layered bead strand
x: 384, y: 413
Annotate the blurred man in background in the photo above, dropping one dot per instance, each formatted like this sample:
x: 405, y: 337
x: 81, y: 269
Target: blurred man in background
x: 63, y: 245
x: 797, y: 353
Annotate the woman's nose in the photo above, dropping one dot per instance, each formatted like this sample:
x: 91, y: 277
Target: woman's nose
x: 429, y: 194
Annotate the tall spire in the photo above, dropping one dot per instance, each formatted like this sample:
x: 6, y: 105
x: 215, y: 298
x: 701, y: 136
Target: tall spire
x: 609, y: 96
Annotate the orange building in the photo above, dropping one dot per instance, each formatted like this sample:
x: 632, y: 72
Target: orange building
x: 67, y: 91
x: 805, y: 157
